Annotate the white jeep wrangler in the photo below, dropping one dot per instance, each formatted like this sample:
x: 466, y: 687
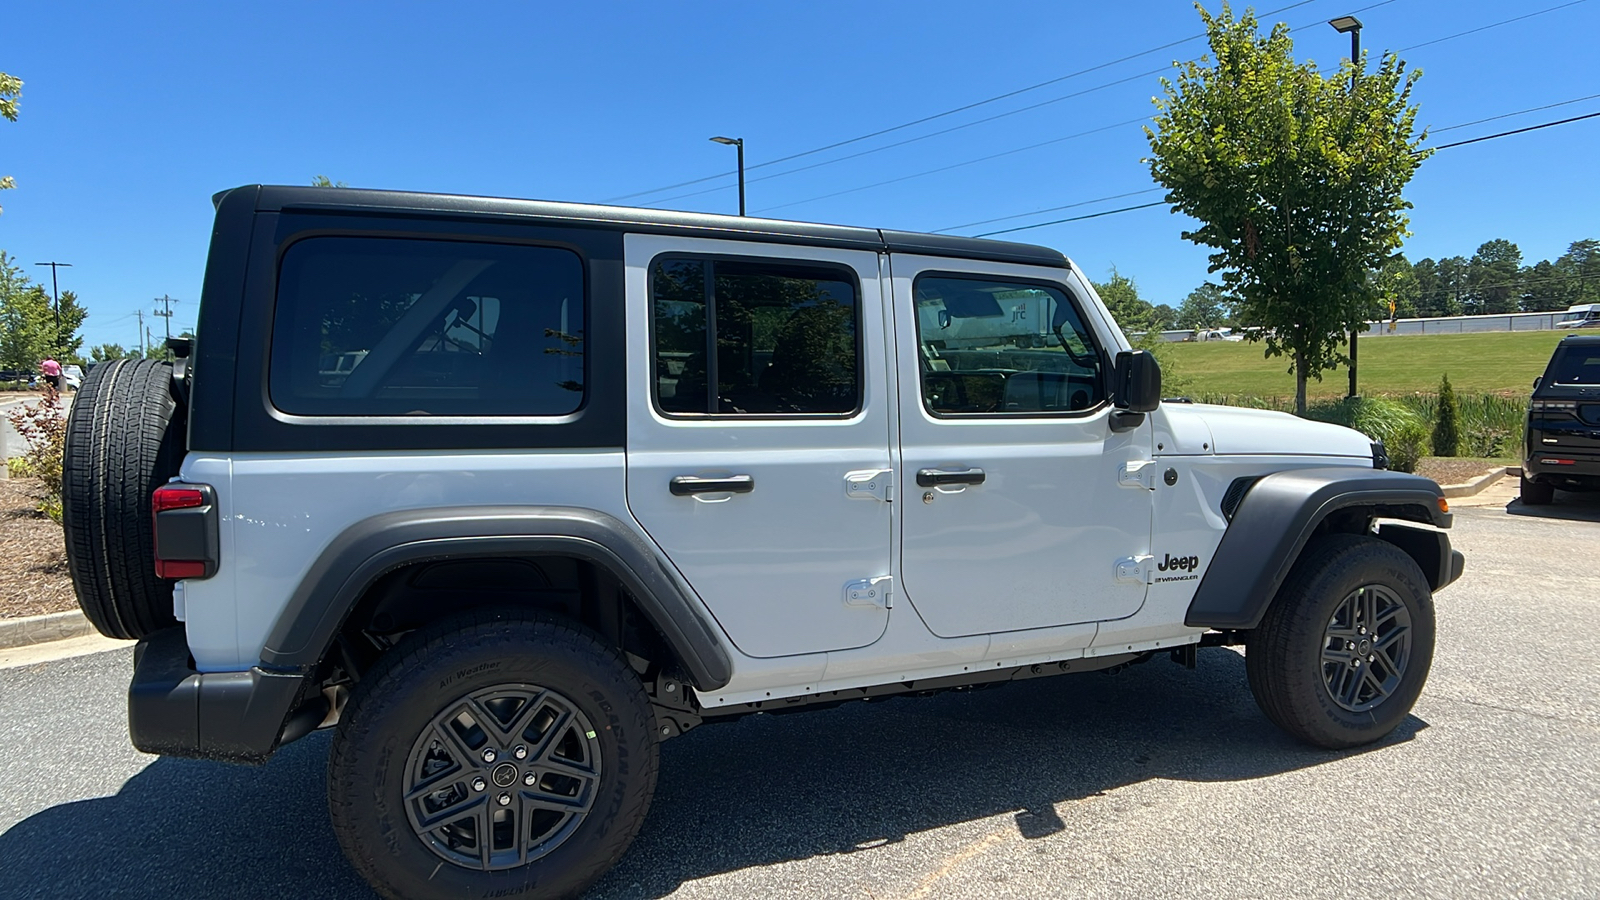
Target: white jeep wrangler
x: 508, y: 492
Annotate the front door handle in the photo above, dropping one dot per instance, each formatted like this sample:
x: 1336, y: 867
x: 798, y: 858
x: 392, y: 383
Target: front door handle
x: 686, y: 485
x: 941, y: 477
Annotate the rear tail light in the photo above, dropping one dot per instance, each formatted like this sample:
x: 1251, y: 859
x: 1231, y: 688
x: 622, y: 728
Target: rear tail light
x: 1549, y: 461
x: 185, y: 530
x: 1553, y: 405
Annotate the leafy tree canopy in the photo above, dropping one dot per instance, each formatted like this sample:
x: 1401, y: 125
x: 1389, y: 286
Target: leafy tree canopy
x: 10, y: 97
x: 1204, y: 308
x: 1295, y: 179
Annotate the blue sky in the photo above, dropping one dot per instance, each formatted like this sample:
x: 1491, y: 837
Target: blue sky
x: 134, y: 114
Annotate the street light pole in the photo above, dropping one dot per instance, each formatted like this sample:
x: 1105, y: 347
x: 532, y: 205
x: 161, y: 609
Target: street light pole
x: 1352, y: 26
x: 55, y: 296
x: 739, y: 143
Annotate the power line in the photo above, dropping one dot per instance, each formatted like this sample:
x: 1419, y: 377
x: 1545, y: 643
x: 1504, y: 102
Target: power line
x: 1490, y: 137
x: 1023, y: 110
x: 1487, y: 137
x: 1046, y: 210
x: 1487, y: 27
x: 1508, y: 115
x: 960, y: 109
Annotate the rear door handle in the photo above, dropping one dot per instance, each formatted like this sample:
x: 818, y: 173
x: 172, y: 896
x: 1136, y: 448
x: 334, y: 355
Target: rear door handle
x: 939, y: 477
x: 686, y: 485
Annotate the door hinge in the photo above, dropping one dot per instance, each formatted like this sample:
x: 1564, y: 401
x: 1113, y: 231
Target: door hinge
x: 871, y: 592
x: 870, y: 484
x: 1135, y: 569
x: 1138, y: 473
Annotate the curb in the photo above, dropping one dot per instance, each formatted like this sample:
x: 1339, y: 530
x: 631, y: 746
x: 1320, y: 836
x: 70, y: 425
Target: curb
x: 1469, y: 488
x: 41, y: 629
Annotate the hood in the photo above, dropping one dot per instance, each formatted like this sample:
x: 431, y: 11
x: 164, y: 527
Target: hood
x: 1236, y: 430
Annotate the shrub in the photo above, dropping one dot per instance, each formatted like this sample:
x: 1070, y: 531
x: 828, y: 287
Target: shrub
x: 1446, y: 430
x: 1408, y: 447
x: 1379, y: 418
x: 44, y: 427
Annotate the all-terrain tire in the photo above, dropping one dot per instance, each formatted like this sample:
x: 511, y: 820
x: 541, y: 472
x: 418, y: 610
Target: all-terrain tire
x: 424, y: 685
x: 125, y: 438
x: 1536, y: 494
x: 1287, y: 657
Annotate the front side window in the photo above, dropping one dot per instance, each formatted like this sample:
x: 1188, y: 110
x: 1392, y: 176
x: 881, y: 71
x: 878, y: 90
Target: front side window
x: 996, y: 346
x: 396, y: 327
x: 755, y: 337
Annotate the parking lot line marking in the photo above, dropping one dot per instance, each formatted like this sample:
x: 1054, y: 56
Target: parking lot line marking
x: 965, y: 854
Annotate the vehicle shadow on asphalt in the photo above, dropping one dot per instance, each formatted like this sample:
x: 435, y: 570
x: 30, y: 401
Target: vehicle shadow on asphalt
x: 760, y: 790
x: 1573, y: 507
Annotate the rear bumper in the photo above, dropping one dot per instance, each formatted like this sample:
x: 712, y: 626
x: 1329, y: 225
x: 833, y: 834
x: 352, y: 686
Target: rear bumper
x: 1583, y: 471
x: 235, y: 716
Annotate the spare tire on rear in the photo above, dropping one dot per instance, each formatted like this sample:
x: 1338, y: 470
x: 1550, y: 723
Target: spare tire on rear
x: 125, y: 438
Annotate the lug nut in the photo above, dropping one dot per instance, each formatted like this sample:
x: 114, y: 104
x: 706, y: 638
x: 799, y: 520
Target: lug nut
x: 530, y: 779
x: 1355, y: 663
x: 1349, y: 645
x: 520, y: 753
x: 488, y: 754
x: 479, y: 784
x: 503, y: 799
x: 1372, y: 658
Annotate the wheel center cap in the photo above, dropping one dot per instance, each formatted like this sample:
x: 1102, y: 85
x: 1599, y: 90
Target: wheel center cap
x: 504, y: 775
x: 1365, y: 647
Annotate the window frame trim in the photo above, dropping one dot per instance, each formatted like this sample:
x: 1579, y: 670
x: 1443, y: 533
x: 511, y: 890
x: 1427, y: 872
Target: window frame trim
x: 710, y: 259
x: 1077, y: 307
x: 392, y: 419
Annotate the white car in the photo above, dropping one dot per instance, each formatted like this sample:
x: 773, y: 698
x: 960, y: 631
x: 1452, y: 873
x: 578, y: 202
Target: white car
x: 603, y: 475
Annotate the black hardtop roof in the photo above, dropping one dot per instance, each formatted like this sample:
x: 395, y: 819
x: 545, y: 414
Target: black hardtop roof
x: 275, y: 198
x: 1580, y: 339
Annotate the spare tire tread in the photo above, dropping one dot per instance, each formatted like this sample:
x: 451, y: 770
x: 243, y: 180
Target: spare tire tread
x: 124, y: 439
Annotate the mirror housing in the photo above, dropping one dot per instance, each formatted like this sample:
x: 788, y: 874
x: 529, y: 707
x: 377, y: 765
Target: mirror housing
x: 1136, y: 382
x: 1537, y: 380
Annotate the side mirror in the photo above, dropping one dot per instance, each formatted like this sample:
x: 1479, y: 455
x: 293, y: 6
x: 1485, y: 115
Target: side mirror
x: 1537, y: 379
x: 1136, y: 382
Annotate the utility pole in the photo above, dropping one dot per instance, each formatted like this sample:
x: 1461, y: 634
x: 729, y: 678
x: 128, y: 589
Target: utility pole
x: 140, y: 314
x: 166, y: 313
x: 55, y: 295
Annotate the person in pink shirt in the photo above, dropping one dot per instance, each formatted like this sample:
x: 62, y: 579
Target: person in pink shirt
x: 52, y: 372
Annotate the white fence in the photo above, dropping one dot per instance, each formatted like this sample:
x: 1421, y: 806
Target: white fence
x: 1540, y: 321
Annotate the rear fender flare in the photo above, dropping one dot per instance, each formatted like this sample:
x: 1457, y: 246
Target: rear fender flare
x: 1281, y: 512
x: 308, y: 624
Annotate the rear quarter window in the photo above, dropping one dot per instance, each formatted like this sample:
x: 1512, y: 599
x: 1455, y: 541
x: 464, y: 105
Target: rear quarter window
x: 1576, y: 365
x: 402, y: 327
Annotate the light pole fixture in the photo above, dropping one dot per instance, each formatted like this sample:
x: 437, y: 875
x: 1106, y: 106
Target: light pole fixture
x: 739, y: 143
x: 55, y: 296
x: 1352, y: 26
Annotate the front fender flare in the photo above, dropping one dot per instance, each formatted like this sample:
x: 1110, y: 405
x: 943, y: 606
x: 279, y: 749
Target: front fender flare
x: 353, y: 561
x: 1278, y: 516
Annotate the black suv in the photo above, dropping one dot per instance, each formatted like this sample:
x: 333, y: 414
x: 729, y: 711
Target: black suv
x: 1562, y: 447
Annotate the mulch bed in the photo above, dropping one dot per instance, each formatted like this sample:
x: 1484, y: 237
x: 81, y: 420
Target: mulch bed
x: 1455, y: 470
x: 33, y: 559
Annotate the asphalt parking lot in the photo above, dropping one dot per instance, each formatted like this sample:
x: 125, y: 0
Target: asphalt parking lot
x: 1156, y: 781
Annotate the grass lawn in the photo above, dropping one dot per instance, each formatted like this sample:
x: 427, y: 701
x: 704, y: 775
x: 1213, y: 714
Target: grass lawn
x: 1494, y: 362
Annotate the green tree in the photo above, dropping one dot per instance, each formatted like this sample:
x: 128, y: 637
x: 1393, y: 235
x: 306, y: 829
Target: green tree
x: 1204, y: 308
x: 1543, y: 288
x: 1493, y: 285
x: 1121, y: 296
x: 10, y: 95
x: 1446, y: 428
x: 325, y: 181
x: 1164, y: 317
x: 28, y: 321
x: 107, y: 352
x: 1296, y: 180
x: 1398, y: 290
x: 1580, y: 268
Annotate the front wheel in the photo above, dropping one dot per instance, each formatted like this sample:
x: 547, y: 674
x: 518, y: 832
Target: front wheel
x: 495, y: 755
x: 1341, y: 656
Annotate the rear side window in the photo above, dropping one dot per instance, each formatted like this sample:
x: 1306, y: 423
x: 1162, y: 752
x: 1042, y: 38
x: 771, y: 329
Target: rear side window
x: 785, y: 335
x: 394, y: 327
x: 1576, y: 365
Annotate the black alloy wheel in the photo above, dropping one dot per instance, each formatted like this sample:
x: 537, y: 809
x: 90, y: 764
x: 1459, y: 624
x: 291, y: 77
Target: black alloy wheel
x: 502, y: 776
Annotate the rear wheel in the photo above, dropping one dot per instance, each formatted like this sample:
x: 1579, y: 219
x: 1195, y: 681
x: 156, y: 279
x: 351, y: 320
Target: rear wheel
x: 125, y: 438
x: 494, y: 755
x: 1342, y: 654
x: 1536, y: 494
